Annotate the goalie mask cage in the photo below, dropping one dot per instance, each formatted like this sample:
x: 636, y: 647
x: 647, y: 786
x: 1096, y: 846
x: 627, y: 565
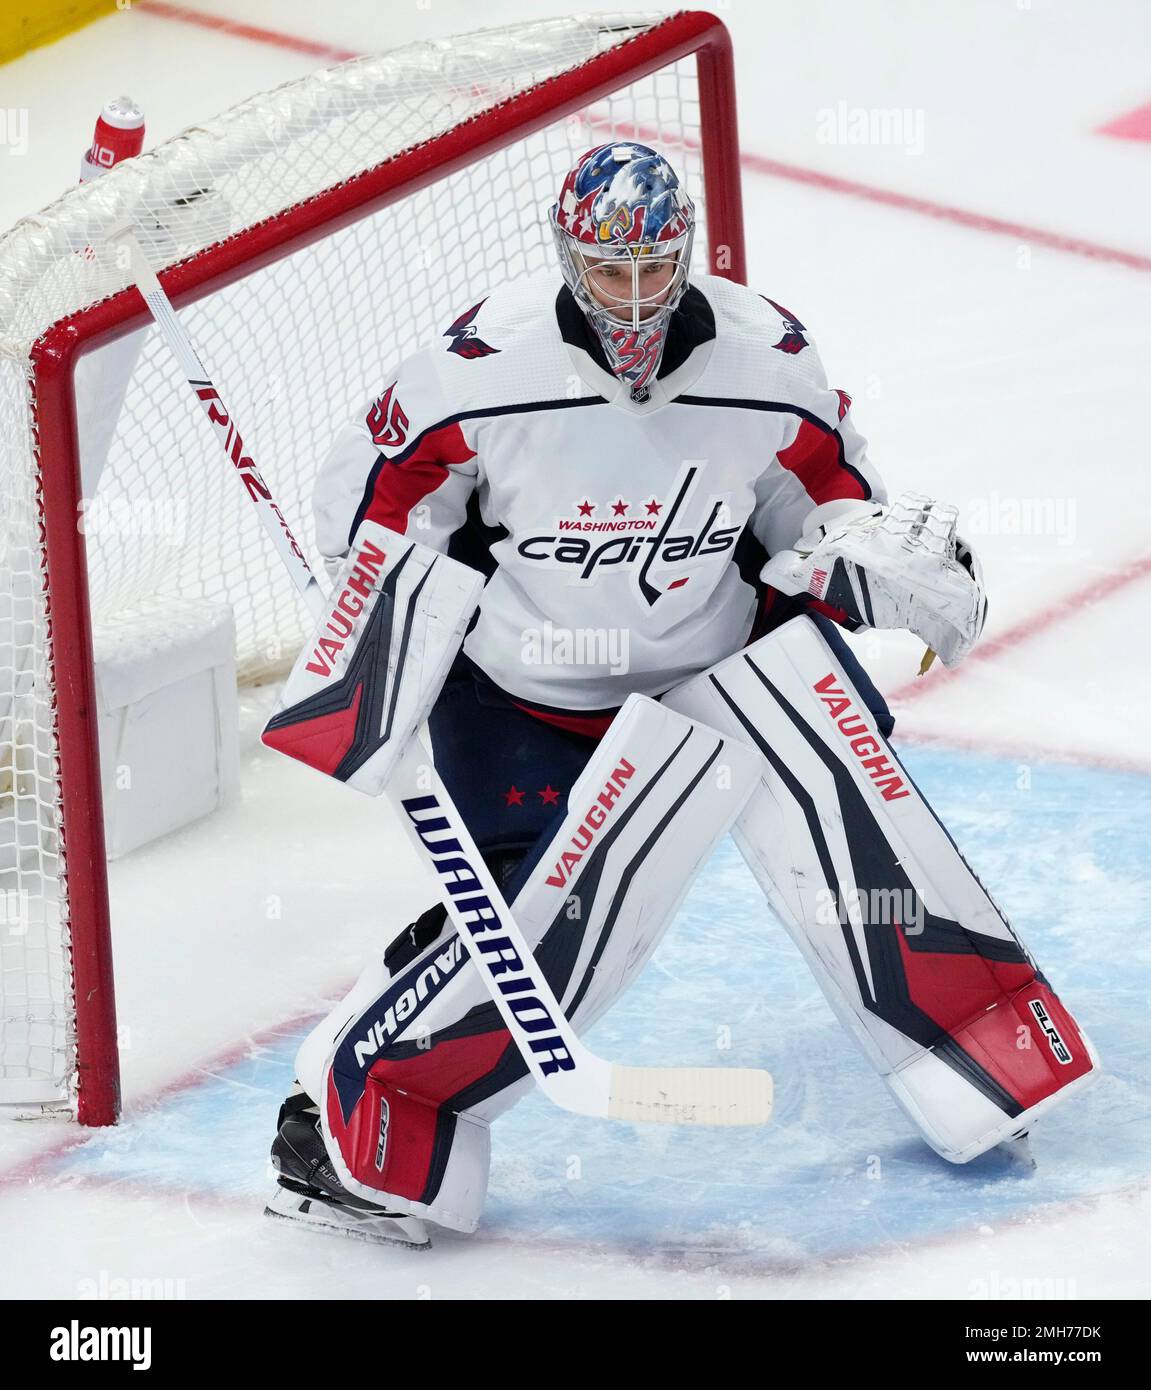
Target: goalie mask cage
x: 311, y: 237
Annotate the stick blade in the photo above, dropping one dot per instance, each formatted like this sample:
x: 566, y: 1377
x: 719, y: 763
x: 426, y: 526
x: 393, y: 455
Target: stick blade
x: 690, y: 1095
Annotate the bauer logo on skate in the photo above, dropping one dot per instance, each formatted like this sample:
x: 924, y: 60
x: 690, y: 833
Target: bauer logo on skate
x: 495, y: 954
x: 597, y: 814
x: 864, y: 744
x: 348, y: 607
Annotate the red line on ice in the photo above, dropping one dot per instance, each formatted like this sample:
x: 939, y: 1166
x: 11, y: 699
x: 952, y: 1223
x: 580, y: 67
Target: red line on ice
x: 906, y: 202
x: 754, y: 163
x: 907, y: 734
x: 162, y: 9
x: 978, y: 221
x: 1134, y: 125
x: 1061, y: 611
x: 25, y: 1169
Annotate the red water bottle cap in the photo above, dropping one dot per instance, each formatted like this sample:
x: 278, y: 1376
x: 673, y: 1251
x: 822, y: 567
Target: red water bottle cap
x: 119, y: 136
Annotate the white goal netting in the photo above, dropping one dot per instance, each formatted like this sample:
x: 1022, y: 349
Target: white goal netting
x: 296, y: 346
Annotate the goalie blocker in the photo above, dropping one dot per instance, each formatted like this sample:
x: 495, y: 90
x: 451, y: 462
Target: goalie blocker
x: 909, y: 948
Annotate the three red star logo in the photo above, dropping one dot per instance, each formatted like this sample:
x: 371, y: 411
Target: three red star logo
x: 620, y: 507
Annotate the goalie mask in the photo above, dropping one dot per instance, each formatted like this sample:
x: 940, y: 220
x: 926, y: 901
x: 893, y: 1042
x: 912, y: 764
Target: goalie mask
x: 623, y: 227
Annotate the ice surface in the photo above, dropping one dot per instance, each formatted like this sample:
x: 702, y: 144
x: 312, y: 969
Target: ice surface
x: 984, y: 369
x: 837, y: 1179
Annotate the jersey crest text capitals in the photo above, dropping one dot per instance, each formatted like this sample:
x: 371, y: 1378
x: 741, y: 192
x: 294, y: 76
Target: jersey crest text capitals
x: 635, y: 543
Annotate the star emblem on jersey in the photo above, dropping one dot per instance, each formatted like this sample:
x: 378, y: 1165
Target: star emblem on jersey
x: 466, y: 341
x: 549, y: 796
x: 513, y: 796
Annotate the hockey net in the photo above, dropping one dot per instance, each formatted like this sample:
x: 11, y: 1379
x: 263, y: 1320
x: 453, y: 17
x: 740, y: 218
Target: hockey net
x: 311, y: 237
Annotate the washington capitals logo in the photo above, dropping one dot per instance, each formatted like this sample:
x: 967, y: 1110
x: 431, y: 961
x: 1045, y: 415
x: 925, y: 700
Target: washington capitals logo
x: 465, y: 340
x: 793, y: 340
x: 635, y: 544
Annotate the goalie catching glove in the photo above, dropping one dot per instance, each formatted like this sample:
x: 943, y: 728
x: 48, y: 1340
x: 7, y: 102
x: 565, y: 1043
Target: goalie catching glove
x: 900, y: 566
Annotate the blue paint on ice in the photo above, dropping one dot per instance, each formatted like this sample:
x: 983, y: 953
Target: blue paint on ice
x: 839, y: 1169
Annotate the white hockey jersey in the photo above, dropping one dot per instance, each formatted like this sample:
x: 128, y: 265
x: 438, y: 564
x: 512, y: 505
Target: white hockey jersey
x: 623, y: 541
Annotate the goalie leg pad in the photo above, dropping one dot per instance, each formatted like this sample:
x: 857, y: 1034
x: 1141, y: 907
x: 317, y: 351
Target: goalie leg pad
x: 909, y: 948
x: 412, y: 1069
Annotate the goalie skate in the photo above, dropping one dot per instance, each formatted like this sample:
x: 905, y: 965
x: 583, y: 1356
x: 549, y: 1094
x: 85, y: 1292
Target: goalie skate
x: 310, y: 1194
x: 311, y: 1207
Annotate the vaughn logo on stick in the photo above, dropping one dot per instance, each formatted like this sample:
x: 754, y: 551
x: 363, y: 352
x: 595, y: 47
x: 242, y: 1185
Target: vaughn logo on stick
x: 347, y: 608
x: 863, y: 743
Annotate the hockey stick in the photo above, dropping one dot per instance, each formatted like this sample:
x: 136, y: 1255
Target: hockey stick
x: 568, y: 1073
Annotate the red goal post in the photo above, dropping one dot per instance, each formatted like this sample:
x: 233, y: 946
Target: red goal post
x: 486, y: 125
